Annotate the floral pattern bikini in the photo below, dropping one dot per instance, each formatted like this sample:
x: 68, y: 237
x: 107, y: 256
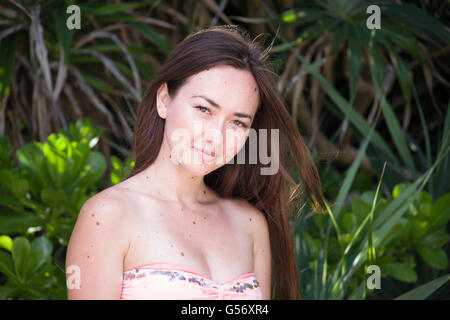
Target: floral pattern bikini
x: 163, y: 281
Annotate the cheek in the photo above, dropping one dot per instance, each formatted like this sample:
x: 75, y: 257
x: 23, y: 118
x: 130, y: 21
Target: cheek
x: 180, y: 122
x: 233, y: 144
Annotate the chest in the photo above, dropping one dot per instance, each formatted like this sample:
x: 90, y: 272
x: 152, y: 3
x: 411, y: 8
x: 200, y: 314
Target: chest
x: 213, y: 240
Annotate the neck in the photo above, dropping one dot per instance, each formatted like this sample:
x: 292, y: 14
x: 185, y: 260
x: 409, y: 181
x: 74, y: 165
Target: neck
x: 172, y: 182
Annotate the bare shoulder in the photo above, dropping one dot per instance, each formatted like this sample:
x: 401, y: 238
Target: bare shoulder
x: 107, y: 205
x: 257, y: 221
x: 96, y: 248
x: 259, y: 229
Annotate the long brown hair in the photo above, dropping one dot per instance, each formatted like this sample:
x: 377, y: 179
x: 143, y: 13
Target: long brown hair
x: 231, y: 45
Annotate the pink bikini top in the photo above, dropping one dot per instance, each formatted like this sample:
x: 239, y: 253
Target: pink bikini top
x: 163, y: 281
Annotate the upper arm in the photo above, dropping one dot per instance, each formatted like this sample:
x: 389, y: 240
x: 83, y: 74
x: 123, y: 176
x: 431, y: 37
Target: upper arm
x: 262, y: 252
x: 94, y: 259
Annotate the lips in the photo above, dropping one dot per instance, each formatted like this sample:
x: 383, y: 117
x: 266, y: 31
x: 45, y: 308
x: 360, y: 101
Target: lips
x: 207, y: 156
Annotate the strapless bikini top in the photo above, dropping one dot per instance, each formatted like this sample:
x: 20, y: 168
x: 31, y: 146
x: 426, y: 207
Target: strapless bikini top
x: 162, y: 281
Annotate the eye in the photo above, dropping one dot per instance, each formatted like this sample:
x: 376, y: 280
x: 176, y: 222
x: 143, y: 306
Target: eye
x: 203, y: 108
x: 240, y: 124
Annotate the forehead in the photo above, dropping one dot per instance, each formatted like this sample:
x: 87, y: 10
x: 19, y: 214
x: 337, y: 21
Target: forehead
x: 228, y: 86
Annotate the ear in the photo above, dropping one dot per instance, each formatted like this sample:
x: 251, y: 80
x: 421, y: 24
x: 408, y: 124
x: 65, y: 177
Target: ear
x: 162, y: 100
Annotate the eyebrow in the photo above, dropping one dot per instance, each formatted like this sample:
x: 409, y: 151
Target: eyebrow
x: 215, y: 104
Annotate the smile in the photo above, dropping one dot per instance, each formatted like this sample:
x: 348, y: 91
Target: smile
x: 208, y: 157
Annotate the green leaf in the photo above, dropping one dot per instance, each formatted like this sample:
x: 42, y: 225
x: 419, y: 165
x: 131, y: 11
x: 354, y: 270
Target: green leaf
x: 360, y: 208
x: 97, y: 83
x: 44, y: 248
x: 6, y: 162
x: 153, y: 36
x: 8, y: 291
x: 437, y: 239
x: 18, y: 221
x: 54, y: 199
x: 20, y: 253
x: 64, y: 34
x: 6, y: 242
x: 440, y: 213
x: 32, y: 158
x: 6, y: 265
x: 20, y: 188
x: 117, y: 8
x: 94, y: 168
x: 399, y: 271
x: 391, y: 119
x: 289, y: 16
x: 349, y: 222
x: 339, y: 36
x: 424, y: 290
x: 435, y: 257
x: 355, y: 118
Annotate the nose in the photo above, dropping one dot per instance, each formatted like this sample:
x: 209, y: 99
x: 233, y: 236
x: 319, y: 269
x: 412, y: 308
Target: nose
x: 213, y: 134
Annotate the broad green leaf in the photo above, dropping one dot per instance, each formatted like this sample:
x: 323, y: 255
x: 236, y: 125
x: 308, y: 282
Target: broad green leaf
x: 6, y: 265
x: 440, y: 213
x: 349, y: 222
x: 435, y: 257
x: 399, y: 271
x: 20, y: 187
x: 6, y: 242
x: 54, y: 199
x: 20, y: 253
x: 18, y: 221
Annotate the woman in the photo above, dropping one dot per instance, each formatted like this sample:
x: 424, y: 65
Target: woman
x: 193, y: 220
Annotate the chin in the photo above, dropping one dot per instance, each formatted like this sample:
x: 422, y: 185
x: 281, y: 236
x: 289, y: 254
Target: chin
x: 200, y: 170
x: 198, y: 166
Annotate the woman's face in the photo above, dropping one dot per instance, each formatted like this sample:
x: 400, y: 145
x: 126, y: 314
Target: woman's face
x: 211, y: 114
